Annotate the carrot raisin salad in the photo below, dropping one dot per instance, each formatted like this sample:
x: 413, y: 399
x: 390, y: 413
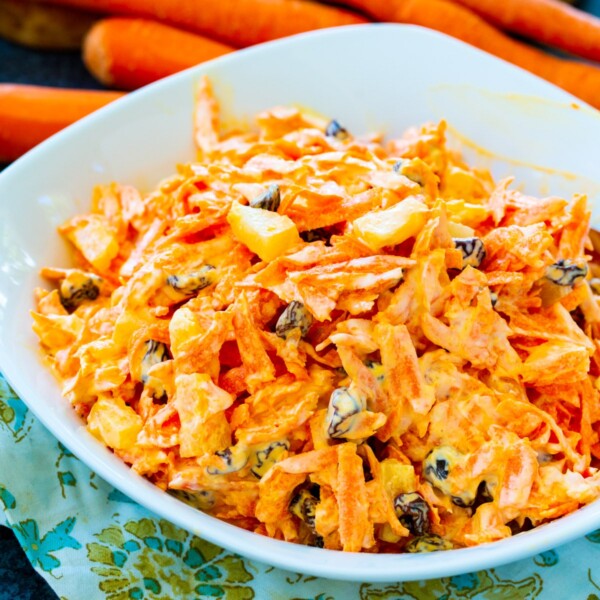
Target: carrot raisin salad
x: 345, y: 342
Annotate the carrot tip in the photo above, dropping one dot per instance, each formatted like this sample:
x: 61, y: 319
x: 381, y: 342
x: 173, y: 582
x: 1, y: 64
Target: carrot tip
x: 95, y: 57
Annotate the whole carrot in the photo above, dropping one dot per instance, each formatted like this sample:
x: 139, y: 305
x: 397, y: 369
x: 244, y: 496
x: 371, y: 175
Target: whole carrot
x: 29, y: 114
x: 580, y: 79
x: 129, y: 53
x: 549, y: 21
x: 236, y: 22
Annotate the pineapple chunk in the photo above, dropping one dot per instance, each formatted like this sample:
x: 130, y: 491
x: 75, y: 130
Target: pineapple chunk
x: 266, y: 233
x: 391, y: 226
x: 114, y: 423
x: 462, y: 183
x: 94, y: 238
x: 458, y: 230
x: 398, y: 478
x: 201, y: 405
x: 386, y: 534
x: 466, y: 213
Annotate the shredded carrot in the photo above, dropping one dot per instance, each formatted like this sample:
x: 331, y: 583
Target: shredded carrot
x: 353, y: 381
x: 354, y: 527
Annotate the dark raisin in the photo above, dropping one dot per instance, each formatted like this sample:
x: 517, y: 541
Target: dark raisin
x: 315, y: 490
x: 201, y: 499
x: 343, y: 404
x: 192, y: 283
x: 304, y: 506
x: 233, y: 459
x: 439, y: 469
x: 516, y: 527
x: 413, y: 512
x: 403, y: 168
x: 295, y: 316
x: 156, y: 352
x: 268, y: 200
x: 316, y: 235
x: 473, y: 251
x: 334, y: 129
x: 428, y: 543
x: 266, y: 457
x: 565, y: 273
x: 482, y: 496
x: 225, y: 455
x: 74, y: 295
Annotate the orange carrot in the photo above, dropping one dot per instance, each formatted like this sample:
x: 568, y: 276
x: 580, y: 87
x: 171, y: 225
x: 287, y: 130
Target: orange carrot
x: 580, y: 79
x: 549, y: 21
x: 29, y: 114
x: 129, y: 53
x: 236, y: 22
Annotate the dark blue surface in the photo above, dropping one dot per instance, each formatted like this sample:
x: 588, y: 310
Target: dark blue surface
x: 18, y: 580
x: 592, y: 6
x: 60, y: 69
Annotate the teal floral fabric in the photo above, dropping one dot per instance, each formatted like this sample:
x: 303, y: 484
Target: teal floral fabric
x: 90, y: 542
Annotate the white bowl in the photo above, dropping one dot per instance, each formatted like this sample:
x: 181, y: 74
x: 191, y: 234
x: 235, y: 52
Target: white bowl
x: 384, y: 77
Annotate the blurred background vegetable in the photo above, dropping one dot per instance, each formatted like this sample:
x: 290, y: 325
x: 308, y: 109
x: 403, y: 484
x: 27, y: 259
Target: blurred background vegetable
x: 29, y: 114
x: 44, y: 27
x: 548, y: 21
x: 448, y: 16
x: 239, y: 23
x: 128, y: 53
x: 126, y: 44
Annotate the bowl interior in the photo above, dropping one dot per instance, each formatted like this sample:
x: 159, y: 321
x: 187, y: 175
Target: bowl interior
x: 377, y: 77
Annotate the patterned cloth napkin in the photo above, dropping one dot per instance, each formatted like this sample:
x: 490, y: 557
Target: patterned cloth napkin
x: 90, y: 542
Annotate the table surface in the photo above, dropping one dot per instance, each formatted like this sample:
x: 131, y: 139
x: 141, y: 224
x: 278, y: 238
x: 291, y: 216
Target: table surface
x: 18, y: 580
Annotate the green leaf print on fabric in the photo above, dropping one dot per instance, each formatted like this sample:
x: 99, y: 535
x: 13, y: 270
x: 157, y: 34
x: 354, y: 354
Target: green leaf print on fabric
x: 594, y: 537
x: 118, y: 496
x: 66, y: 478
x: 67, y: 464
x: 157, y: 560
x: 546, y: 559
x: 7, y: 499
x: 14, y: 415
x: 38, y: 549
x: 319, y: 597
x: 591, y: 579
x: 299, y: 578
x: 484, y: 585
